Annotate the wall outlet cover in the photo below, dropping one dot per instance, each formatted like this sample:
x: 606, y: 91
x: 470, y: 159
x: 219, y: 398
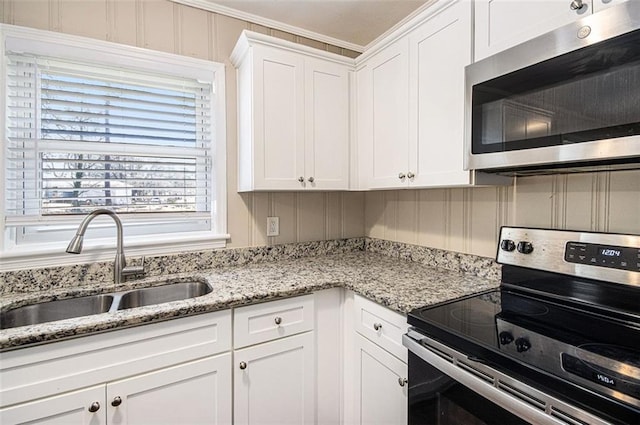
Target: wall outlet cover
x: 273, y: 226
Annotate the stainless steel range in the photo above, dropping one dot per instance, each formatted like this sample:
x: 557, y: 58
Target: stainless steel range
x: 558, y: 343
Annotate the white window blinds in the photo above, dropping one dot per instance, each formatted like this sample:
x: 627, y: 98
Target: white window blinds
x: 84, y: 136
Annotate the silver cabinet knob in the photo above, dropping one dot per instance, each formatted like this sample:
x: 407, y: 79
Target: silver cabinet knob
x: 402, y: 176
x: 311, y: 179
x: 301, y: 179
x: 95, y: 406
x: 402, y: 381
x: 278, y: 320
x: 117, y: 401
x: 243, y: 365
x: 410, y: 175
x: 576, y: 5
x: 377, y: 326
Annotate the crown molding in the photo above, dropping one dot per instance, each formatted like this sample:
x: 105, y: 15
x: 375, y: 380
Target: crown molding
x: 234, y: 13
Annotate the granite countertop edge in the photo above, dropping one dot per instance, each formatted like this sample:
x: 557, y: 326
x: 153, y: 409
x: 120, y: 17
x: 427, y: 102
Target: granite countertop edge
x: 396, y: 284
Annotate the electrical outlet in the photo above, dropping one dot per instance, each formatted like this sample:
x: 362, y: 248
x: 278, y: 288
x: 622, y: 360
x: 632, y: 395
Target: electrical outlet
x: 273, y: 226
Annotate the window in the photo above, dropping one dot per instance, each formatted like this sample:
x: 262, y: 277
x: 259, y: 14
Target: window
x: 134, y: 131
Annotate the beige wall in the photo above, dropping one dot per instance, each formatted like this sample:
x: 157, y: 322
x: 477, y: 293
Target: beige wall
x: 464, y: 220
x: 171, y: 27
x: 468, y: 220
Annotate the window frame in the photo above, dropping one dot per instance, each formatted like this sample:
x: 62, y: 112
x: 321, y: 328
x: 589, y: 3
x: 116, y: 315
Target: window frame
x: 70, y: 47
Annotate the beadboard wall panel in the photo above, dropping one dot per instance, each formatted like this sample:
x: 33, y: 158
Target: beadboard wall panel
x: 171, y: 27
x: 468, y: 220
x: 464, y: 220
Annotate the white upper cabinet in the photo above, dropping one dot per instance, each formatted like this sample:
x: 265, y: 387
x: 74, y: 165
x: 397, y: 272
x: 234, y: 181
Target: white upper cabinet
x: 293, y: 116
x: 326, y: 125
x: 411, y: 102
x: 500, y: 24
x: 439, y: 51
x: 389, y: 97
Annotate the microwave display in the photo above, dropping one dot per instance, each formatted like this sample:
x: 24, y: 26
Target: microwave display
x: 592, y: 93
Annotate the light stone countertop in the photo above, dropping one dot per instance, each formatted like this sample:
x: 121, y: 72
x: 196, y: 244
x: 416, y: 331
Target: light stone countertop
x: 393, y: 282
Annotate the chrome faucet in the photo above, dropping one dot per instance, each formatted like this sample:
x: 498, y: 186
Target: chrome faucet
x: 120, y: 269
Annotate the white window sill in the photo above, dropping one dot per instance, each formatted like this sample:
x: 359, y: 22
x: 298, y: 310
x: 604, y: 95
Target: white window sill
x: 53, y: 255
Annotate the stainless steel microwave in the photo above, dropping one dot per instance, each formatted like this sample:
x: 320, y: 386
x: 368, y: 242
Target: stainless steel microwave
x: 568, y: 100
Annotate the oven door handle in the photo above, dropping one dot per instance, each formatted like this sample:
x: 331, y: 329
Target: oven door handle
x: 493, y: 385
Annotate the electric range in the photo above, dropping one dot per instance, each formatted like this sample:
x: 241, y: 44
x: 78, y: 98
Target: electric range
x: 559, y: 342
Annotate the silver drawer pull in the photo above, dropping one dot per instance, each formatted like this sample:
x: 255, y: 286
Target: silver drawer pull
x: 95, y: 406
x: 117, y: 401
x: 243, y: 365
x: 377, y: 326
x: 278, y: 320
x: 402, y: 381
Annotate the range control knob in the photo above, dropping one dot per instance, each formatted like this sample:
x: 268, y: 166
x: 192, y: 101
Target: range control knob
x: 522, y: 345
x: 507, y: 245
x: 505, y: 338
x: 525, y: 247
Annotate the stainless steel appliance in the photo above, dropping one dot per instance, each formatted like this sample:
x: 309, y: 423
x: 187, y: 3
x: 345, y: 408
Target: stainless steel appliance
x: 568, y: 100
x: 557, y: 343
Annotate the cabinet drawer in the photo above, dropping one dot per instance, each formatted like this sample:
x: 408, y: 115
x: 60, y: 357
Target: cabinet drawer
x: 258, y: 323
x: 381, y: 325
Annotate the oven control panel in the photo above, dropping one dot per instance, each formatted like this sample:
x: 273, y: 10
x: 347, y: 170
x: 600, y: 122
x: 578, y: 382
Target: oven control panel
x: 611, y: 257
x: 617, y: 257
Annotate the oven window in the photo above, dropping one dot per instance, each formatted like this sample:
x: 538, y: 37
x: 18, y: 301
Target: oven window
x: 434, y: 398
x: 588, y: 94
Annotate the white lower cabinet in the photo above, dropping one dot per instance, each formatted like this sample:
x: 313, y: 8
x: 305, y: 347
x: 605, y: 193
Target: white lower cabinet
x: 174, y: 372
x: 274, y: 382
x: 274, y: 362
x: 321, y: 358
x: 192, y: 393
x: 380, y: 386
x: 65, y: 409
x: 376, y: 385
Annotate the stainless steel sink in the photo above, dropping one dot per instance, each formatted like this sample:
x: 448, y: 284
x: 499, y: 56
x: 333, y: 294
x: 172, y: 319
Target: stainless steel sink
x: 96, y: 304
x: 55, y: 310
x: 163, y: 294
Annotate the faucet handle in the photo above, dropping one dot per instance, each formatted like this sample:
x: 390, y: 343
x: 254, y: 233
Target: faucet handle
x: 134, y: 270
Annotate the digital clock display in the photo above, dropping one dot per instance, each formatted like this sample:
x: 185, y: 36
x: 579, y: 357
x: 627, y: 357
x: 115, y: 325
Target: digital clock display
x: 610, y: 252
x: 611, y: 256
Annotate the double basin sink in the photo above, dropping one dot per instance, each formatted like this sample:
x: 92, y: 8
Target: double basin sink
x: 102, y: 303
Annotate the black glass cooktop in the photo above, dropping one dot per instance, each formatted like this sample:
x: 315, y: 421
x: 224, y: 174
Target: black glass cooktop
x: 474, y: 319
x: 471, y: 326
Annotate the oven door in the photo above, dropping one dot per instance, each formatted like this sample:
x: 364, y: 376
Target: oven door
x: 447, y: 387
x: 436, y: 398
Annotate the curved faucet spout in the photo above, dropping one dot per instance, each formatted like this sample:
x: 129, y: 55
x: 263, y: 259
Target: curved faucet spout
x: 120, y: 268
x: 75, y: 246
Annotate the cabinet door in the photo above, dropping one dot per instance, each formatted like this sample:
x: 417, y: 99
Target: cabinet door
x: 278, y: 119
x: 197, y: 392
x: 274, y: 382
x: 439, y: 50
x: 389, y: 85
x: 380, y: 386
x: 67, y: 409
x: 327, y: 125
x: 500, y: 24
